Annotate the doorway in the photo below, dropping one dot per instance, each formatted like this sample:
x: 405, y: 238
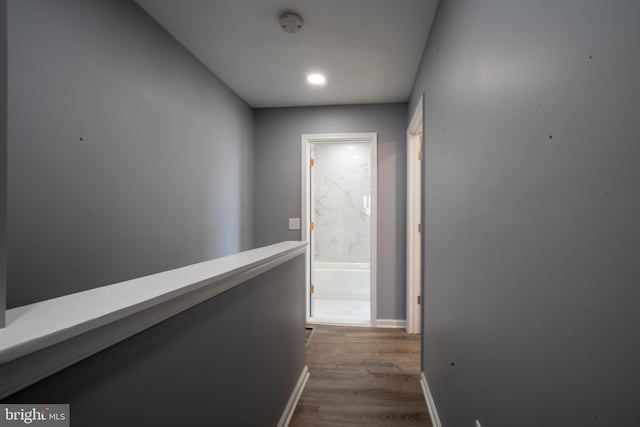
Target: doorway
x: 339, y: 222
x: 414, y: 219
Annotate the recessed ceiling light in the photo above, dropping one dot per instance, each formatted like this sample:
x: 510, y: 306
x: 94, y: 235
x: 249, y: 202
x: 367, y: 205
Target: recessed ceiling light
x: 316, y: 79
x: 351, y: 147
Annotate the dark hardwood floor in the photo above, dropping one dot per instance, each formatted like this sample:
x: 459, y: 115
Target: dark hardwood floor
x: 362, y: 377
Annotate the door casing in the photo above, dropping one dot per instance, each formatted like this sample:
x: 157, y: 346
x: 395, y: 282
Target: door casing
x: 415, y: 227
x: 319, y: 138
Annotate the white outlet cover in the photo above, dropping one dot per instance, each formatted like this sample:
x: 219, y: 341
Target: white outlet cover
x: 294, y: 223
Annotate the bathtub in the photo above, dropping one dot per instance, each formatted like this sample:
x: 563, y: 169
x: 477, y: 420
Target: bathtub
x: 341, y: 280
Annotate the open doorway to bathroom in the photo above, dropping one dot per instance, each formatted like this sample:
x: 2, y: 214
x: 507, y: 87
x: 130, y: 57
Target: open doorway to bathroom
x: 339, y: 214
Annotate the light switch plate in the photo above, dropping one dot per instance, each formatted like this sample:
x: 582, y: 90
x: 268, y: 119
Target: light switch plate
x: 294, y: 223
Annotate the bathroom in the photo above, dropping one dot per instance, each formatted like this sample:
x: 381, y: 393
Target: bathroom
x: 341, y: 208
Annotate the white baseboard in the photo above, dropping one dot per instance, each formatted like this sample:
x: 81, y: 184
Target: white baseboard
x: 431, y: 405
x: 391, y: 323
x: 293, y: 399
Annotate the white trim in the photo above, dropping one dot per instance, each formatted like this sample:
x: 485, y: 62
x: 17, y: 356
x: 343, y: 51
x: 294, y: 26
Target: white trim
x: 43, y: 338
x: 414, y: 207
x: 374, y: 227
x: 307, y: 140
x: 391, y: 323
x: 431, y: 404
x: 285, y: 419
x: 304, y: 220
x: 350, y: 137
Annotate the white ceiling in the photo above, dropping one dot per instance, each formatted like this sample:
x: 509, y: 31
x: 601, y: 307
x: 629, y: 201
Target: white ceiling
x: 369, y: 50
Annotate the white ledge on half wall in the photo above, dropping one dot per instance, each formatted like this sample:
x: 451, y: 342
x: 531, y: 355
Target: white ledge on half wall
x: 81, y: 324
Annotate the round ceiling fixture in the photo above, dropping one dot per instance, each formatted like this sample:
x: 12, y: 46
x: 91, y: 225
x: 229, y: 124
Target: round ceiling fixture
x: 291, y: 22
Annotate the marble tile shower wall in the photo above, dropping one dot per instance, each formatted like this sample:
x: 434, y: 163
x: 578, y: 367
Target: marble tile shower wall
x: 342, y: 202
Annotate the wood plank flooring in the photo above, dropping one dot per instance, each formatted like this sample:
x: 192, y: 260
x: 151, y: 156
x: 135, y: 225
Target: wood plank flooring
x: 362, y: 377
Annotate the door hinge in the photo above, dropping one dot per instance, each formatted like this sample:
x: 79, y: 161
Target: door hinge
x: 312, y: 226
x: 420, y: 155
x: 311, y: 163
x: 419, y: 299
x: 312, y: 288
x: 419, y: 228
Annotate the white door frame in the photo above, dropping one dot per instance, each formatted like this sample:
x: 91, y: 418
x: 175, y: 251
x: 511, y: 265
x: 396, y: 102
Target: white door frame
x: 414, y: 218
x: 307, y: 140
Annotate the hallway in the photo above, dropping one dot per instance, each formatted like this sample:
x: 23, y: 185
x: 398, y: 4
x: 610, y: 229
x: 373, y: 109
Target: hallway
x: 158, y: 192
x: 362, y: 376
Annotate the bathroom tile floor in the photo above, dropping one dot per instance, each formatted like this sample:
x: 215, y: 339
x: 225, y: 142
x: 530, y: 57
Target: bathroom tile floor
x: 341, y: 310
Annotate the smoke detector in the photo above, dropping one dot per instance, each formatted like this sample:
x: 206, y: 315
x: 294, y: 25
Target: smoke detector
x: 291, y: 22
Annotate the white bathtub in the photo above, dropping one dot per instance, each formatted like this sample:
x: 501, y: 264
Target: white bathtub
x: 341, y: 280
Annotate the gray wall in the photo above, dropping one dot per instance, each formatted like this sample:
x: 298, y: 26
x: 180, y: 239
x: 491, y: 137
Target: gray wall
x: 277, y: 153
x: 231, y: 361
x: 532, y: 221
x: 127, y: 156
x: 3, y: 159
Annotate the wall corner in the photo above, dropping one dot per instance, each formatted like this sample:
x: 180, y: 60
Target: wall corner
x: 3, y: 161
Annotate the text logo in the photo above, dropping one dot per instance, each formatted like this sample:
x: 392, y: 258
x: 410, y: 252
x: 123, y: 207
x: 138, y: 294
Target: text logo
x: 34, y: 415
